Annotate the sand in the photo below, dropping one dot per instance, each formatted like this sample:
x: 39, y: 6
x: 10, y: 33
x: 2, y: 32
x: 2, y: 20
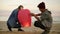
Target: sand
x: 30, y: 30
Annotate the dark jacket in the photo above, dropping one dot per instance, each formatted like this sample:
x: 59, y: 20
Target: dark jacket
x: 12, y: 21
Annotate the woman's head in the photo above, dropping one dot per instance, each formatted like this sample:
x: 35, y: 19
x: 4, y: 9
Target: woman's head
x: 20, y: 7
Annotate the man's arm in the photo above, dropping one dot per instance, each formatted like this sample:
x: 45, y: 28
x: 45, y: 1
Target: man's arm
x: 32, y: 14
x: 38, y: 14
x: 37, y: 17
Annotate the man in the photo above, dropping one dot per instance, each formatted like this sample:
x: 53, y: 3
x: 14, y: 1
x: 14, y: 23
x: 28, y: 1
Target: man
x: 12, y: 21
x: 45, y: 20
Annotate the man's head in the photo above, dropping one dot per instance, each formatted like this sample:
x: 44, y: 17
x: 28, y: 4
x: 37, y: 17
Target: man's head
x: 20, y: 7
x: 41, y: 6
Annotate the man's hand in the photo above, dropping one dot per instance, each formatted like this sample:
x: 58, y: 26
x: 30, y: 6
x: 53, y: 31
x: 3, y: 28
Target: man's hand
x: 32, y: 14
x: 37, y: 17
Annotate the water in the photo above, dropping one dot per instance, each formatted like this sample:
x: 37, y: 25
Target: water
x: 4, y: 15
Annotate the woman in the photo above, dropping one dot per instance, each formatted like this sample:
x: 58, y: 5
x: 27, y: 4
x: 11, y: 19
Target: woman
x: 12, y: 21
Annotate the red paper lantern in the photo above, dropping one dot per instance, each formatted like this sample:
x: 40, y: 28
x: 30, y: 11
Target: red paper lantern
x: 24, y: 17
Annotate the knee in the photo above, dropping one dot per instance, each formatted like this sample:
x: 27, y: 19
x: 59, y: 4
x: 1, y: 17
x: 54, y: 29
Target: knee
x: 35, y: 23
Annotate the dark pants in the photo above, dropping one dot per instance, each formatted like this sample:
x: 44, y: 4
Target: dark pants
x: 16, y: 26
x: 40, y: 25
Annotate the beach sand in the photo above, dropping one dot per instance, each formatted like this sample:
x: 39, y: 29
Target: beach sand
x: 30, y: 30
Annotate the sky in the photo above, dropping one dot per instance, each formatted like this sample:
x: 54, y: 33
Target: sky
x: 30, y: 4
x: 7, y: 6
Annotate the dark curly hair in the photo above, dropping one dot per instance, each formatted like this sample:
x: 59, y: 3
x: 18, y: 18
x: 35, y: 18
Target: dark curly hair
x: 41, y: 5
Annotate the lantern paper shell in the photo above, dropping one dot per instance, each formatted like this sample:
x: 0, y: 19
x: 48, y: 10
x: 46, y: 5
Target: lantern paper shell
x: 24, y: 17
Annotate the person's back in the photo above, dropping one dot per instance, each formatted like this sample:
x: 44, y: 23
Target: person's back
x: 13, y: 18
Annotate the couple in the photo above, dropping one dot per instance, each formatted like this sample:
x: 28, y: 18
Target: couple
x: 44, y: 22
